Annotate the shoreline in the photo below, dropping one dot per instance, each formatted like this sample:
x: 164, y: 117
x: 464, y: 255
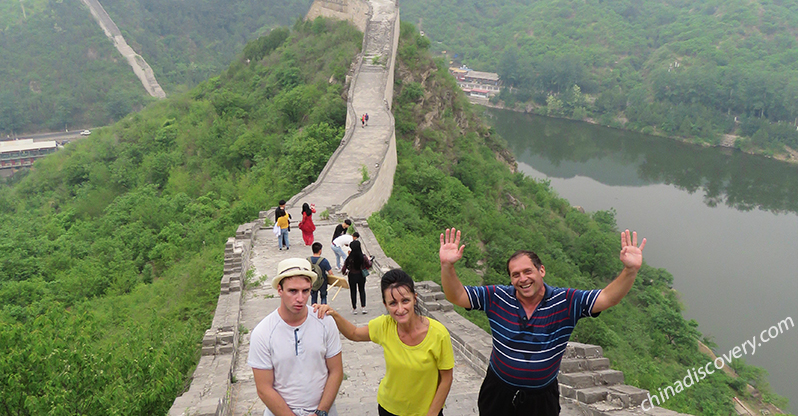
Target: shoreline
x: 727, y: 142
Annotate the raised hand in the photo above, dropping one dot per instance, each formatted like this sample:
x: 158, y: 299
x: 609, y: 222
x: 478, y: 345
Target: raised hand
x: 322, y: 310
x: 451, y: 250
x: 631, y: 254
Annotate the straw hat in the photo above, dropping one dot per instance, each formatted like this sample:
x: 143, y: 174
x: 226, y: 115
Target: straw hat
x: 291, y: 268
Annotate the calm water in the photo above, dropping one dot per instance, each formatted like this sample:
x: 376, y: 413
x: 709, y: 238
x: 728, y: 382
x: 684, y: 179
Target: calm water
x: 725, y: 224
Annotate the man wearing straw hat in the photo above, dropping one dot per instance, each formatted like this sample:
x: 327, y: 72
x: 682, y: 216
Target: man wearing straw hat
x: 294, y: 355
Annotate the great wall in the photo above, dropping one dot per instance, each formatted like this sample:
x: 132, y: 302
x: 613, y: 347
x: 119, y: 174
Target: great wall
x: 222, y: 383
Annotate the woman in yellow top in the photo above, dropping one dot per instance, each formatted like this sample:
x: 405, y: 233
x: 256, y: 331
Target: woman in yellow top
x: 418, y: 350
x: 282, y: 239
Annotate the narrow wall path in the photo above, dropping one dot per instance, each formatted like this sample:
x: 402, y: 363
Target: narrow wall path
x: 223, y: 383
x: 365, y: 148
x: 140, y: 67
x: 364, y: 365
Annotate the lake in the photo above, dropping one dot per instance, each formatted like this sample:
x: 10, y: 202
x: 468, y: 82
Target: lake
x: 724, y: 223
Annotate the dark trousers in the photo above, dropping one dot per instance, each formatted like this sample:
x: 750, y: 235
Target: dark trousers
x: 383, y: 412
x: 314, y: 294
x: 497, y: 398
x: 357, y: 283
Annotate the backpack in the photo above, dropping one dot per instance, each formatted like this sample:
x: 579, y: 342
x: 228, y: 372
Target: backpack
x: 319, y: 273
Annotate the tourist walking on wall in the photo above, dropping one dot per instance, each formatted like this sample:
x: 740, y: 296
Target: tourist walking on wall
x: 295, y: 355
x: 353, y: 268
x: 363, y: 120
x: 339, y: 252
x: 366, y: 117
x: 530, y: 322
x: 323, y: 271
x: 306, y: 224
x: 282, y: 239
x: 280, y: 210
x: 419, y: 360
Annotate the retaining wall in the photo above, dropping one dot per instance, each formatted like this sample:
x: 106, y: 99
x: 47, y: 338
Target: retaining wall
x: 209, y: 392
x: 355, y: 11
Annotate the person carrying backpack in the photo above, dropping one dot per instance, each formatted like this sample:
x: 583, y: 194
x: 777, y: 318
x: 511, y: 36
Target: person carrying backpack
x: 323, y: 269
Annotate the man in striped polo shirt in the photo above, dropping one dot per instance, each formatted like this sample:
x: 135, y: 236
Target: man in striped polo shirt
x: 531, y: 323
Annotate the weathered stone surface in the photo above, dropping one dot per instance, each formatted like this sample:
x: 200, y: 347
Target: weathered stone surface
x: 578, y: 380
x: 596, y: 364
x: 591, y: 394
x: 573, y: 365
x: 626, y: 395
x: 610, y: 377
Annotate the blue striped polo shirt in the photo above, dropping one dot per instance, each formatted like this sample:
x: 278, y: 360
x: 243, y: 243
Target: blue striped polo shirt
x: 527, y: 353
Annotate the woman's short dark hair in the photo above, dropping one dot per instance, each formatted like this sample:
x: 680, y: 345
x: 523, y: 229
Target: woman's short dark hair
x: 532, y: 256
x: 396, y: 278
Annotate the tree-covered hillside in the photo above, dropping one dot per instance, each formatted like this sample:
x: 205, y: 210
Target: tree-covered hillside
x: 59, y: 71
x: 672, y: 67
x: 188, y: 42
x: 453, y: 172
x: 111, y: 250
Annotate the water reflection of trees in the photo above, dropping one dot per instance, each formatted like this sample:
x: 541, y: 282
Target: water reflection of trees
x: 728, y: 177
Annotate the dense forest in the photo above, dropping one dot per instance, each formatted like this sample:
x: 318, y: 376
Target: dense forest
x: 691, y: 69
x: 111, y: 250
x: 187, y: 43
x: 453, y: 171
x: 59, y: 71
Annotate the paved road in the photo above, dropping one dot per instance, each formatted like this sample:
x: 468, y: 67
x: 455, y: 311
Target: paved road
x: 57, y: 136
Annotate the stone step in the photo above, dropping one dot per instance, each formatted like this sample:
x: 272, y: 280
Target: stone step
x: 575, y: 365
x: 587, y: 379
x: 579, y: 350
x: 591, y: 394
x: 626, y: 396
x: 432, y: 297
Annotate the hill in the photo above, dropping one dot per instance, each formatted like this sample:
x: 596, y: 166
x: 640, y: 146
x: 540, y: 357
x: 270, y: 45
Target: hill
x: 111, y: 250
x: 59, y: 71
x: 695, y: 70
x: 455, y: 171
x: 187, y: 43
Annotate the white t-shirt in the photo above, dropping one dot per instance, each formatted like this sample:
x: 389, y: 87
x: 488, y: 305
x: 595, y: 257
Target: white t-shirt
x: 298, y: 356
x: 343, y: 241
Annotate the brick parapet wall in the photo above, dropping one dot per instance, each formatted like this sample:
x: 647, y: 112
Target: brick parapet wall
x: 209, y: 392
